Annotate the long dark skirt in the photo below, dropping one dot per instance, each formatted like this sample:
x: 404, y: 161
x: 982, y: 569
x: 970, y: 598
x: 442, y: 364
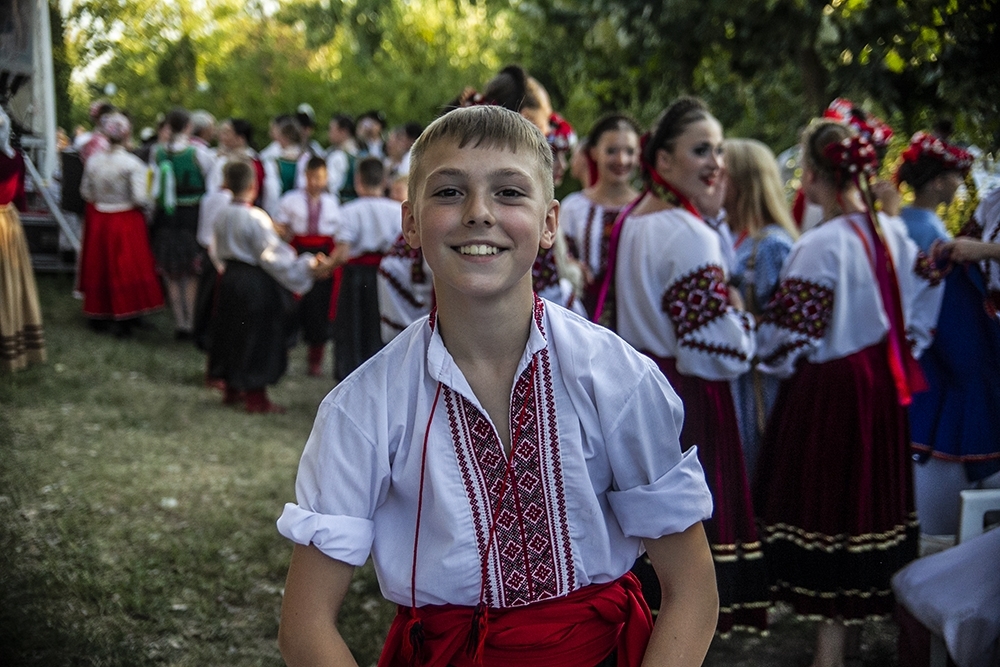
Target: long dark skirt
x: 249, y: 331
x: 834, y: 488
x: 357, y: 329
x: 175, y: 243
x: 710, y: 423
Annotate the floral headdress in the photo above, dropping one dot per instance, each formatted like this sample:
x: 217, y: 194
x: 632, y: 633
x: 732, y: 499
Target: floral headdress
x: 928, y: 145
x: 854, y: 158
x: 843, y: 111
x: 561, y: 136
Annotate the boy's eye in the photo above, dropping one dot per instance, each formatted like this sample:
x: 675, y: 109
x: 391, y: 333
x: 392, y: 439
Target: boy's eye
x: 447, y: 192
x: 510, y: 192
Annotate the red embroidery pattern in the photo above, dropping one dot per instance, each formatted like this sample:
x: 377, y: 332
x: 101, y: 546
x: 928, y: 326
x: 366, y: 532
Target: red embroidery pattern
x: 607, y: 222
x: 696, y: 299
x: 926, y: 269
x: 714, y: 348
x: 801, y: 306
x: 544, y: 272
x: 400, y: 289
x: 531, y: 557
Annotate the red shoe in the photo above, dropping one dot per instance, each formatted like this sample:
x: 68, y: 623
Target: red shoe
x: 215, y: 383
x: 315, y: 360
x: 256, y: 402
x: 231, y: 396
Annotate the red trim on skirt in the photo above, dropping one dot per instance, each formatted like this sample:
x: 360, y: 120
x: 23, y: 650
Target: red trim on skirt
x: 577, y: 630
x: 118, y: 273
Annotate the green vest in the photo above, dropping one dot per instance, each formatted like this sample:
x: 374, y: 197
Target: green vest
x: 190, y: 183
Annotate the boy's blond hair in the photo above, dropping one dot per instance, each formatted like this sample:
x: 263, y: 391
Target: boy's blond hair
x: 484, y: 126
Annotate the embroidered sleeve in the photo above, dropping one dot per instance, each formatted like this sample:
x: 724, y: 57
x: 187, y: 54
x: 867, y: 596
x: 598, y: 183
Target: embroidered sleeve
x: 715, y: 341
x: 696, y: 299
x: 800, y: 311
x: 925, y: 268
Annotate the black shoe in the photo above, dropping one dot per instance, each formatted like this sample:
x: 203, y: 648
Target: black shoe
x: 181, y: 335
x: 123, y: 329
x: 100, y: 326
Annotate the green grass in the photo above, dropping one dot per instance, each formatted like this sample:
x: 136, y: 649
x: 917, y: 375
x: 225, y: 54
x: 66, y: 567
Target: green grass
x: 137, y: 513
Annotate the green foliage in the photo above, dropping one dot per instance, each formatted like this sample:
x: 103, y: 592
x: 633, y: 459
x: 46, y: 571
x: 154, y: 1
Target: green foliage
x: 765, y: 67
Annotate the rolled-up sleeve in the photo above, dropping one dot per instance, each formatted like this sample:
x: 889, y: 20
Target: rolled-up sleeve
x: 342, y: 478
x: 658, y: 490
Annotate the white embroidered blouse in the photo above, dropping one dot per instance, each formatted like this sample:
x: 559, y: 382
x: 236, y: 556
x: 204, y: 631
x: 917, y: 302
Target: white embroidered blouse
x: 115, y: 180
x: 596, y: 467
x: 293, y: 210
x: 588, y: 227
x: 370, y: 224
x: 828, y: 304
x: 405, y: 288
x: 672, y: 296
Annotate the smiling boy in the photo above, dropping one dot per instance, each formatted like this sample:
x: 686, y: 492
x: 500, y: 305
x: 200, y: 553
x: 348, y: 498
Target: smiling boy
x: 503, y: 461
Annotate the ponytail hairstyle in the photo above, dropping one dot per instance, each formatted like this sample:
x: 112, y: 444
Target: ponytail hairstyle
x: 510, y: 89
x: 672, y: 122
x: 843, y: 158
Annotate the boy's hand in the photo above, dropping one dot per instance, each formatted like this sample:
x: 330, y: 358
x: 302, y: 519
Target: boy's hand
x: 320, y: 267
x: 284, y: 231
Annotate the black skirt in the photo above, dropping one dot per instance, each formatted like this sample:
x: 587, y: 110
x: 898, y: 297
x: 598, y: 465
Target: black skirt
x: 357, y: 333
x: 248, y: 343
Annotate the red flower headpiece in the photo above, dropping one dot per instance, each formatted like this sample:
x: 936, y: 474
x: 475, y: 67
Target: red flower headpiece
x: 561, y: 136
x: 844, y: 111
x: 854, y: 156
x: 927, y: 145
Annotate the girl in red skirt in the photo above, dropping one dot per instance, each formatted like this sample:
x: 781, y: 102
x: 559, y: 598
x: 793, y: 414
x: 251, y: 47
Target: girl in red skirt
x: 118, y: 275
x: 834, y: 488
x: 666, y: 289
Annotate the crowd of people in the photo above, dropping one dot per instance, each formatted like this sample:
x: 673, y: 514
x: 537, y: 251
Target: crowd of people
x: 837, y: 360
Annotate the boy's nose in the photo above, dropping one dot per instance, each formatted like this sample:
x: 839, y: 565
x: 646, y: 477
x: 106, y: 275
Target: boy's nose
x: 478, y: 211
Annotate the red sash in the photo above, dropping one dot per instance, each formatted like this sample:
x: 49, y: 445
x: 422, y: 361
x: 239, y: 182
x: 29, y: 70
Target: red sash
x: 577, y: 630
x: 367, y: 259
x: 313, y: 243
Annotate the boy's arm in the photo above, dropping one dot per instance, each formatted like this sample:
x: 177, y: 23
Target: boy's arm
x: 689, y: 609
x: 314, y: 590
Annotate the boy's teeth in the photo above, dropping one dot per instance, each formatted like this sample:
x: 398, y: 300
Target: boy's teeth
x: 478, y: 250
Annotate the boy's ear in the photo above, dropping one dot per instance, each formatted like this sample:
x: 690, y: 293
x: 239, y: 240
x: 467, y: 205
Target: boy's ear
x: 550, y: 225
x: 410, y: 232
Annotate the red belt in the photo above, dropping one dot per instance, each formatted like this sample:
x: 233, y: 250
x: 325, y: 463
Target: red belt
x: 367, y: 259
x: 313, y: 243
x: 581, y: 628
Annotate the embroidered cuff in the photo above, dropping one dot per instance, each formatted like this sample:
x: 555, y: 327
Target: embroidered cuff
x: 671, y: 504
x: 344, y: 538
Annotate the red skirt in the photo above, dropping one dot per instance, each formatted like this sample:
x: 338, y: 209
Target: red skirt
x: 118, y: 276
x: 710, y: 423
x: 834, y: 488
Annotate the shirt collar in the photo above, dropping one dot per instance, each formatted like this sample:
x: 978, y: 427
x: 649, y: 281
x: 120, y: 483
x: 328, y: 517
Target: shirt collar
x: 442, y: 367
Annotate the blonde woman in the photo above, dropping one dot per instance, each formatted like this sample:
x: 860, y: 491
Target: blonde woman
x: 762, y: 225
